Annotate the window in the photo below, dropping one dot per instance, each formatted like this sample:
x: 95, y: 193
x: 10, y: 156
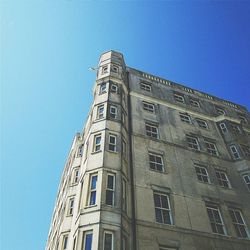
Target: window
x: 124, y: 195
x: 246, y: 151
x: 155, y: 162
x: 148, y: 107
x: 114, y: 88
x: 76, y: 175
x: 236, y: 129
x: 92, y: 196
x: 239, y: 223
x: 123, y: 117
x: 234, y: 152
x: 215, y: 218
x: 71, y: 206
x: 222, y: 179
x: 202, y: 123
x: 103, y: 88
x: 202, y: 173
x: 87, y: 244
x: 100, y: 112
x: 243, y: 119
x: 192, y: 142
x: 80, y: 151
x: 105, y: 69
x: 115, y: 69
x: 152, y: 130
x: 246, y: 178
x: 65, y: 241
x: 194, y: 103
x: 113, y: 112
x: 97, y: 143
x: 220, y: 111
x: 162, y: 208
x: 211, y: 147
x: 223, y: 127
x: 108, y: 241
x: 112, y: 143
x: 110, y: 191
x: 185, y: 118
x: 145, y: 86
x: 179, y: 98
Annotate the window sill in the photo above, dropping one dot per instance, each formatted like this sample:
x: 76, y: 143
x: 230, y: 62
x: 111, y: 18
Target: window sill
x: 110, y: 151
x: 96, y: 152
x: 90, y: 206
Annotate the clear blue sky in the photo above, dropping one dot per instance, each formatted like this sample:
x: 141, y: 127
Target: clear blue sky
x: 46, y: 50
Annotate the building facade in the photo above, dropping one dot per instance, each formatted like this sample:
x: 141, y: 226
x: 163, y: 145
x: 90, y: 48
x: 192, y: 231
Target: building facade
x: 158, y: 166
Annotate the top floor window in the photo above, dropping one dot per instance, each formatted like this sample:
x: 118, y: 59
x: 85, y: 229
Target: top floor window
x: 76, y: 175
x: 145, y: 86
x: 179, y: 98
x: 243, y: 119
x: 100, y: 112
x: 97, y: 143
x: 103, y: 88
x: 223, y: 127
x: 211, y: 147
x: 80, y: 151
x: 105, y: 69
x: 152, y: 130
x: 194, y: 103
x: 202, y: 123
x: 114, y: 88
x: 115, y: 69
x: 148, y: 107
x: 220, y: 111
x: 92, y: 190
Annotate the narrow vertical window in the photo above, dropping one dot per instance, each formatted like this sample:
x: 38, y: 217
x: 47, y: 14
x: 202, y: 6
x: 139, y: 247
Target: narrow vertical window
x: 222, y: 179
x: 145, y: 86
x: 223, y: 127
x: 100, y: 112
x: 103, y: 88
x: 71, y: 206
x: 220, y: 111
x: 243, y: 119
x: 124, y: 148
x: 108, y: 241
x: 162, y: 208
x: 215, y: 218
x: 97, y: 143
x: 246, y: 178
x: 87, y: 244
x: 234, y: 152
x: 113, y: 112
x: 76, y: 175
x: 65, y: 242
x: 239, y: 223
x: 80, y: 151
x: 124, y: 195
x: 112, y: 143
x: 110, y: 191
x: 92, y: 190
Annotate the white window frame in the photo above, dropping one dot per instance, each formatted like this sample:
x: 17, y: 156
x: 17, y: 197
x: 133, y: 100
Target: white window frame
x: 92, y: 190
x: 150, y: 132
x: 65, y: 241
x: 84, y: 239
x: 76, y: 175
x: 223, y: 127
x: 155, y: 163
x: 192, y: 145
x: 194, y: 103
x: 104, y: 234
x: 150, y: 107
x: 113, y: 111
x: 114, y: 88
x: 220, y: 111
x: 202, y: 123
x: 112, y: 146
x: 234, y: 152
x: 161, y: 208
x: 214, y: 209
x: 204, y: 178
x: 145, y: 86
x: 124, y: 195
x: 80, y: 151
x: 100, y: 111
x: 222, y: 178
x: 179, y: 98
x: 111, y: 189
x: 185, y: 118
x: 246, y: 178
x: 97, y: 145
x: 103, y: 88
x: 71, y: 206
x: 211, y: 147
x: 238, y: 225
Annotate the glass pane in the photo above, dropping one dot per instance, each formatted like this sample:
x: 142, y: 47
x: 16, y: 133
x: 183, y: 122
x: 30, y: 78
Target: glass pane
x: 158, y: 215
x: 157, y: 200
x: 166, y: 217
x: 98, y: 140
x: 92, y: 198
x: 88, y: 242
x: 243, y: 233
x: 110, y: 181
x: 220, y: 229
x: 108, y: 241
x: 93, y: 182
x: 238, y: 216
x: 109, y: 197
x: 164, y: 201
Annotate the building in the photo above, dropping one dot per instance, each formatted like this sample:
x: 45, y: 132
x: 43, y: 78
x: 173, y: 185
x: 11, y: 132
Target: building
x: 158, y: 166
